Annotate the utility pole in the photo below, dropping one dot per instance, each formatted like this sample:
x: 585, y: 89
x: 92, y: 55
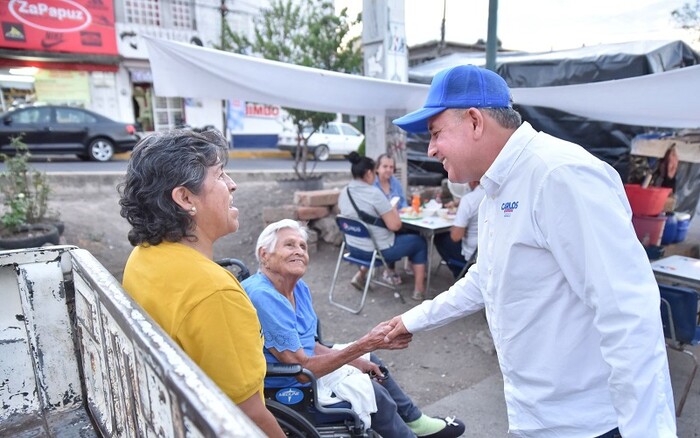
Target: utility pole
x: 492, y: 36
x: 441, y: 46
x: 224, y: 11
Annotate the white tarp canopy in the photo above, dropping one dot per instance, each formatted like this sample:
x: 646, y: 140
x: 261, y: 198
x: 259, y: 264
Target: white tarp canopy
x: 669, y: 99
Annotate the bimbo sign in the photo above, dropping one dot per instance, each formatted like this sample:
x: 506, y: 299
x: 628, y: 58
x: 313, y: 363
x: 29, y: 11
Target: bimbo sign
x: 61, y: 16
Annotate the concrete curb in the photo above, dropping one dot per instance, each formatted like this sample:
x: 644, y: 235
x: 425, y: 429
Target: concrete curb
x: 234, y: 153
x: 107, y: 181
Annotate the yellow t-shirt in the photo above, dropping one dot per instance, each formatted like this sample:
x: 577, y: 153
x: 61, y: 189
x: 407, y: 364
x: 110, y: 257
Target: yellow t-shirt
x: 203, y: 307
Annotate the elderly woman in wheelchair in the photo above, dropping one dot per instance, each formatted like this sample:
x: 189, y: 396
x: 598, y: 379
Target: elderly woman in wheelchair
x: 289, y: 323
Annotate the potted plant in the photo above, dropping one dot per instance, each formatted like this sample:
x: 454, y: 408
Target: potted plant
x: 25, y: 221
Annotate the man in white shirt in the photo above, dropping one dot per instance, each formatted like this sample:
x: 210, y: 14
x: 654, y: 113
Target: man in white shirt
x: 459, y: 245
x: 569, y: 293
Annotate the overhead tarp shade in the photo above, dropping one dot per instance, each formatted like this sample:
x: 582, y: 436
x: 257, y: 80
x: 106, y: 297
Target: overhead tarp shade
x: 573, y: 66
x: 667, y: 99
x: 191, y: 71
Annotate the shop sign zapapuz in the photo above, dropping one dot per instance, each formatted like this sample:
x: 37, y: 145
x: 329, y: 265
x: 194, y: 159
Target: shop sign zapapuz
x: 73, y: 26
x: 61, y: 16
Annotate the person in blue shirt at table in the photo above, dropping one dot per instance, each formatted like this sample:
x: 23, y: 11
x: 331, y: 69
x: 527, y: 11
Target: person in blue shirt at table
x: 568, y: 290
x: 391, y: 187
x: 387, y: 182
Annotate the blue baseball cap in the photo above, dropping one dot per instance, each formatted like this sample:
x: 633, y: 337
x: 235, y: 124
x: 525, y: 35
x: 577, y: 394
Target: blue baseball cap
x: 463, y: 86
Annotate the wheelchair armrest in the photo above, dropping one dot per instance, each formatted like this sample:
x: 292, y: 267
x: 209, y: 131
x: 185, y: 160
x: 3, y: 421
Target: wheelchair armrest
x: 295, y: 369
x: 284, y: 369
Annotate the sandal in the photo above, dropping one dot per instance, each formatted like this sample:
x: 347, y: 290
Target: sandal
x: 358, y: 281
x: 418, y: 296
x: 392, y: 278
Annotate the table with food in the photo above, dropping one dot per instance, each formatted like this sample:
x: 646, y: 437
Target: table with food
x: 428, y: 220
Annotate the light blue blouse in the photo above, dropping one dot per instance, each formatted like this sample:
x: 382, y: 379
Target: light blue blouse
x: 395, y: 189
x: 283, y: 327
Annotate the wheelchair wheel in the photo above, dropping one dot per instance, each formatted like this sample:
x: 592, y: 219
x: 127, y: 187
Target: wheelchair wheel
x: 292, y: 423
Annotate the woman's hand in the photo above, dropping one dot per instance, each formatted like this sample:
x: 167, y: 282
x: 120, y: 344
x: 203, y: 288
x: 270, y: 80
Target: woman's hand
x: 376, y: 339
x: 366, y: 366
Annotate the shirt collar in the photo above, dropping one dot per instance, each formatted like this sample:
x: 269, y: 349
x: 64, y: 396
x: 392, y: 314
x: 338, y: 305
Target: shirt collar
x: 497, y: 173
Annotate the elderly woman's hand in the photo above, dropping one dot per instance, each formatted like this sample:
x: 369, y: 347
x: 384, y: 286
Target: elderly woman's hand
x: 366, y: 366
x: 376, y: 339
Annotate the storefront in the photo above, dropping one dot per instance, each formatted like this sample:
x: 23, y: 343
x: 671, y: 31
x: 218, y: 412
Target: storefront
x: 59, y: 52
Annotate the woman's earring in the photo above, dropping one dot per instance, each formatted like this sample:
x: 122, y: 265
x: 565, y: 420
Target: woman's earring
x: 193, y: 211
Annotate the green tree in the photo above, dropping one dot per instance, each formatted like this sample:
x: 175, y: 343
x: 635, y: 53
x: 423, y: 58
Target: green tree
x: 307, y: 33
x: 688, y: 17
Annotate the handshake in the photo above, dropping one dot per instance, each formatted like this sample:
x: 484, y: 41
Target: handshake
x: 388, y: 335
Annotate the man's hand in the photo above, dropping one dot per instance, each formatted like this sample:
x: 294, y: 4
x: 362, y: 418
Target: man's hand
x: 396, y: 330
x: 376, y: 339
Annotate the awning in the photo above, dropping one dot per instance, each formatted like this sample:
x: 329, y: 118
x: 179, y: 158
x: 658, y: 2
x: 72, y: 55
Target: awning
x: 667, y: 99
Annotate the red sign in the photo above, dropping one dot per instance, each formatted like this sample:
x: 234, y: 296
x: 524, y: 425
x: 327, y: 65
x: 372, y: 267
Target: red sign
x: 260, y: 110
x: 72, y: 26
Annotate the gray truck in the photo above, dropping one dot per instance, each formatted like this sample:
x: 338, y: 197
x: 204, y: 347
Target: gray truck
x: 79, y: 359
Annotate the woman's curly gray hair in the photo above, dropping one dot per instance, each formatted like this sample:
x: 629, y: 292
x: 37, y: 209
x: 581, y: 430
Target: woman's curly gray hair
x: 159, y: 163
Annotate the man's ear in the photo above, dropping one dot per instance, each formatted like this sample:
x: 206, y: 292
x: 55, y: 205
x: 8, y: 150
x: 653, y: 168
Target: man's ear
x: 182, y: 197
x: 476, y: 118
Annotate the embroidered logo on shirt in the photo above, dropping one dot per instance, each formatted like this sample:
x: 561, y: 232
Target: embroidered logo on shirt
x: 508, y: 207
x: 289, y: 396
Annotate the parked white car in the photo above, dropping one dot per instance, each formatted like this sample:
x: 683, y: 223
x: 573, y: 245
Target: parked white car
x: 331, y: 139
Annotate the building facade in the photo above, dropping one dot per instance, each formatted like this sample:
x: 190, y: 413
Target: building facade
x: 90, y: 53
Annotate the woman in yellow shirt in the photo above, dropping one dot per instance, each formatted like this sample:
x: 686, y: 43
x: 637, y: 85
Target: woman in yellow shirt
x: 179, y: 201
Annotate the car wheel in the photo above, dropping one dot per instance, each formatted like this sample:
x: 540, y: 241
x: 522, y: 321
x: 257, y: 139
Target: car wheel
x: 321, y: 153
x: 101, y: 149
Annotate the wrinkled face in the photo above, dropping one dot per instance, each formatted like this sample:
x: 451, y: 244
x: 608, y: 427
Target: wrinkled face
x: 216, y: 216
x: 451, y: 142
x: 385, y: 169
x: 289, y: 257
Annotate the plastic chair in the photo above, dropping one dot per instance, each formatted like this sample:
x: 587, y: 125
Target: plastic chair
x: 679, y: 307
x: 357, y: 228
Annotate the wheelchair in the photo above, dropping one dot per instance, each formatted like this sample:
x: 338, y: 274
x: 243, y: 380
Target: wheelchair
x: 296, y: 409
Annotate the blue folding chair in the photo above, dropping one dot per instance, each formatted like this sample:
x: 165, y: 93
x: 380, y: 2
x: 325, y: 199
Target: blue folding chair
x: 679, y: 314
x: 357, y: 228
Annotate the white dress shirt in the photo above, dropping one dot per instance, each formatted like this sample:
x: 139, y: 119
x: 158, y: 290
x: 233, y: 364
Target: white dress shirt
x: 569, y: 294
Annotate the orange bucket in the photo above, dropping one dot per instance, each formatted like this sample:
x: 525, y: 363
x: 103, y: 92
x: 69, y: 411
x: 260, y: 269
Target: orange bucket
x: 646, y: 202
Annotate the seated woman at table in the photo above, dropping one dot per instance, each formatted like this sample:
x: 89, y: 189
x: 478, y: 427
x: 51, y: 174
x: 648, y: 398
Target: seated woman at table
x: 460, y: 243
x: 289, y: 325
x: 362, y: 195
x: 387, y: 182
x: 179, y: 200
x: 391, y: 187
